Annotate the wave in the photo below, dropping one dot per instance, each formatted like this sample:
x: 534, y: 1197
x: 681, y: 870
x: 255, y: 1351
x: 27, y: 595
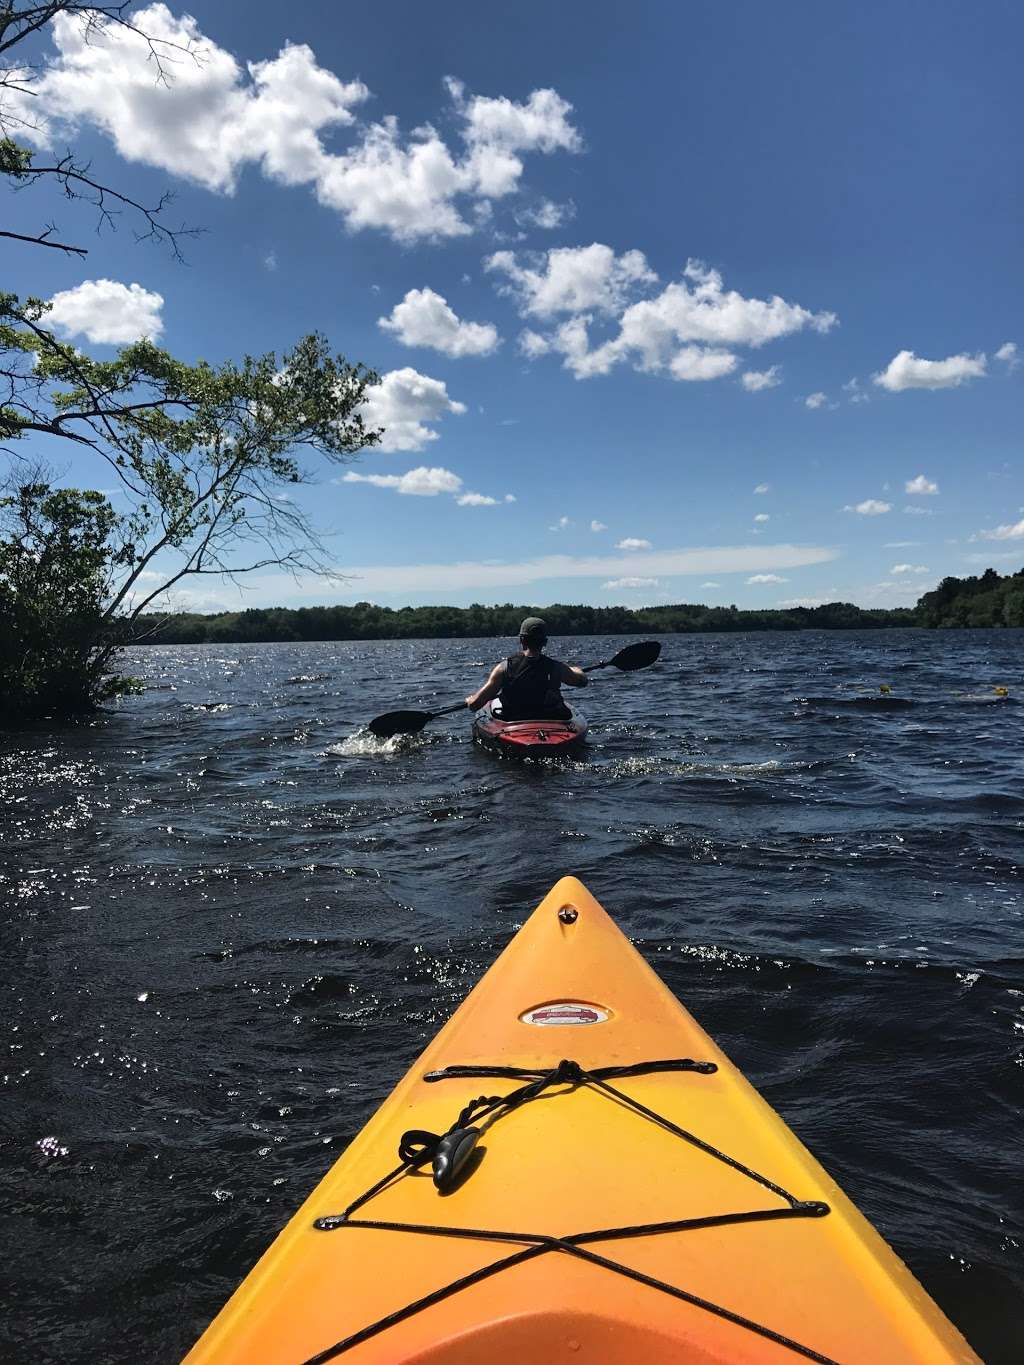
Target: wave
x: 363, y: 744
x: 1001, y: 974
x: 858, y: 703
x: 638, y: 766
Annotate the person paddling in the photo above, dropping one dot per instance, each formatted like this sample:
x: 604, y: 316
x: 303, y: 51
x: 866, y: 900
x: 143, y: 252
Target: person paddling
x: 528, y: 685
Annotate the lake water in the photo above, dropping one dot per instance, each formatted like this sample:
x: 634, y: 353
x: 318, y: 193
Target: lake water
x: 230, y: 922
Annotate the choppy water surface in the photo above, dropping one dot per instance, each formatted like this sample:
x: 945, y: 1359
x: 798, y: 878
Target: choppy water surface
x: 230, y: 921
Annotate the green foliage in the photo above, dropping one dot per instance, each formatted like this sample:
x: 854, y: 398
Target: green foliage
x: 986, y: 601
x: 364, y: 621
x: 991, y: 599
x: 55, y: 562
x: 197, y: 453
x: 15, y: 160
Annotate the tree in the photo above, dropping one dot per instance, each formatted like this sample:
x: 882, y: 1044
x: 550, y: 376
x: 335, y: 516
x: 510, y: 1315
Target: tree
x: 55, y: 564
x: 985, y: 601
x: 201, y: 455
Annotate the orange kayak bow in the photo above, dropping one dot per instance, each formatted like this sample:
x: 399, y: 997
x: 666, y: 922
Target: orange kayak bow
x: 573, y: 1171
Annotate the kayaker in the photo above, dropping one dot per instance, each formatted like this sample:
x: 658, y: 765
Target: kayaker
x: 528, y: 685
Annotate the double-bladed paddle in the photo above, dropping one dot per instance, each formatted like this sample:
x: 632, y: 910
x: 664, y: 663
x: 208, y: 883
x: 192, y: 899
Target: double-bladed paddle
x: 628, y: 660
x: 631, y: 658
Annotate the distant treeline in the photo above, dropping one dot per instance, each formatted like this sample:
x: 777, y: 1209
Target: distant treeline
x: 989, y: 600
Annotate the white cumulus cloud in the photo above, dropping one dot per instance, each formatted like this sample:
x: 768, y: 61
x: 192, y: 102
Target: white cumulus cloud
x: 1007, y: 353
x: 210, y: 118
x: 695, y: 363
x: 532, y: 344
x: 870, y: 507
x: 710, y: 584
x: 766, y: 578
x: 921, y: 486
x: 630, y: 582
x: 1014, y: 531
x: 633, y: 543
x: 425, y: 482
x: 546, y: 214
x: 541, y: 124
x: 763, y: 488
x: 424, y: 318
x: 815, y: 400
x: 699, y: 309
x: 908, y: 371
x: 598, y: 526
x: 687, y: 331
x: 107, y: 312
x: 418, y: 483
x: 762, y: 516
x: 908, y: 568
x: 756, y: 380
x: 570, y: 279
x: 403, y: 403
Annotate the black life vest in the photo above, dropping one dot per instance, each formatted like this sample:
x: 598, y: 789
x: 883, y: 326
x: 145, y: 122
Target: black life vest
x: 531, y: 690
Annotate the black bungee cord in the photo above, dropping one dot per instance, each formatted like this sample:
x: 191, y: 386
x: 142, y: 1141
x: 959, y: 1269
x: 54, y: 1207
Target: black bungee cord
x: 450, y: 1155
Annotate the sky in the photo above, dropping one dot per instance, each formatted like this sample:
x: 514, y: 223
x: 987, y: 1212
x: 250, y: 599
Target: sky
x: 670, y: 303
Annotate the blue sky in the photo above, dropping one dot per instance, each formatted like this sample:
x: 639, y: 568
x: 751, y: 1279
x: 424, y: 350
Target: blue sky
x: 634, y: 266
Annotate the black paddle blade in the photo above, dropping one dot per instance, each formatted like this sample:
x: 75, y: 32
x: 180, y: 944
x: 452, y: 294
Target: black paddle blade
x: 399, y: 723
x: 636, y: 656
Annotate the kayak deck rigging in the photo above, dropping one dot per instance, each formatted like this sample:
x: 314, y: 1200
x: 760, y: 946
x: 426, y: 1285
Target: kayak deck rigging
x: 411, y: 1276
x: 417, y: 1147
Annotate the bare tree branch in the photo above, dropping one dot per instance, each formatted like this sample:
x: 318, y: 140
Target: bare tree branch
x: 42, y: 239
x: 102, y: 198
x: 75, y: 179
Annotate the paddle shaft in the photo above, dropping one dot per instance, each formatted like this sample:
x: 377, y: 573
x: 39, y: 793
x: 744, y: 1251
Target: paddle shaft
x: 449, y: 710
x: 406, y: 722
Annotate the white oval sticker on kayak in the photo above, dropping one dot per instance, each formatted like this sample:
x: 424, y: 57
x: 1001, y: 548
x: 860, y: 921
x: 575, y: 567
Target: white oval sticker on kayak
x: 558, y: 1012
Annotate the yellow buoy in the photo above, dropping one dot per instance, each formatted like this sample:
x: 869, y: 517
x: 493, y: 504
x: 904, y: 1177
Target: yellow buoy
x: 884, y: 688
x: 1001, y: 691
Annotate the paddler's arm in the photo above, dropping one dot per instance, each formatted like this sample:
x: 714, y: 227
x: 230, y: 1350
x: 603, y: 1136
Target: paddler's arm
x: 573, y: 676
x: 490, y: 689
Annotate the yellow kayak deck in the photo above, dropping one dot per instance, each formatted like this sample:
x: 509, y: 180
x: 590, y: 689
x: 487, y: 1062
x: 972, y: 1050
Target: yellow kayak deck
x: 764, y: 1259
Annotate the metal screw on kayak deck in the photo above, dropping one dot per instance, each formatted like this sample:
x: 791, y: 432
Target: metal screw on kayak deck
x: 568, y: 915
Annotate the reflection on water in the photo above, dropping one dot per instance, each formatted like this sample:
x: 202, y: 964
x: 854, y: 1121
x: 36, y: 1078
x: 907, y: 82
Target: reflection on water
x: 232, y: 917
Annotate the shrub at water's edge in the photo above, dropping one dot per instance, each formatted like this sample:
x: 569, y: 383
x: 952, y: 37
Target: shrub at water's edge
x: 56, y: 559
x: 197, y: 457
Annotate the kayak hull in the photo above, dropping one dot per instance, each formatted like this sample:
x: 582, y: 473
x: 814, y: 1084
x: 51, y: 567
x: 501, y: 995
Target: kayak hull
x: 518, y: 739
x: 580, y: 1165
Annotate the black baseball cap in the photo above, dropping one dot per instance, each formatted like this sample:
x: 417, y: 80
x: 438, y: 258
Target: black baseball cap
x: 533, y: 628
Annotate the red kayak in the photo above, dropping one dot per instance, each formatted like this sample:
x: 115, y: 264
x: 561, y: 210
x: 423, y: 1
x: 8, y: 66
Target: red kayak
x: 528, y: 738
